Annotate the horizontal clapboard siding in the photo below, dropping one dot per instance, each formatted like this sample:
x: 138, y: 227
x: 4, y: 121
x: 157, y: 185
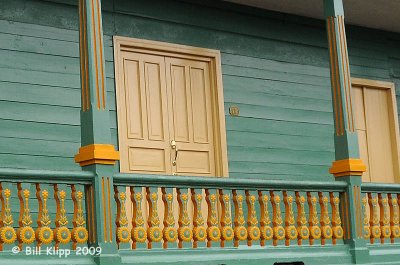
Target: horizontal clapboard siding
x: 275, y: 69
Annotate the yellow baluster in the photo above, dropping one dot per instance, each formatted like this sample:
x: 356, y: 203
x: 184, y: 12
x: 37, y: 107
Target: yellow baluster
x: 302, y: 229
x: 154, y: 232
x: 277, y: 221
x: 240, y: 230
x: 123, y: 232
x: 290, y: 231
x: 185, y: 234
x: 325, y: 219
x: 367, y: 230
x: 315, y: 230
x: 374, y: 218
x: 62, y: 233
x: 336, y: 220
x: 199, y: 231
x: 213, y: 232
x: 170, y: 233
x: 253, y: 232
x: 394, y: 222
x: 267, y: 232
x: 138, y: 230
x: 384, y: 218
x: 44, y: 234
x: 25, y: 234
x: 7, y: 232
x: 227, y: 233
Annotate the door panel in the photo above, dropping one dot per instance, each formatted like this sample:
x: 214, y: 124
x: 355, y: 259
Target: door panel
x: 188, y: 83
x: 361, y: 129
x: 379, y: 138
x: 145, y: 147
x: 375, y: 136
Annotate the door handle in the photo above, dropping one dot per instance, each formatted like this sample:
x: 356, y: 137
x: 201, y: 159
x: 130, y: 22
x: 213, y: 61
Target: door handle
x: 174, y: 147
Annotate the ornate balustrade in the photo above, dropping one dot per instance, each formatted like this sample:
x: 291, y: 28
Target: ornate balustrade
x: 159, y: 212
x: 380, y: 213
x: 43, y: 208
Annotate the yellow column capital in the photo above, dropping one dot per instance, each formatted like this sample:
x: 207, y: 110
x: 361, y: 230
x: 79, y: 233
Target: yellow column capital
x: 97, y: 154
x: 348, y: 167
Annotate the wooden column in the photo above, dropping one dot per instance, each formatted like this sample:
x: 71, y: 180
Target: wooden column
x: 347, y: 165
x: 97, y: 154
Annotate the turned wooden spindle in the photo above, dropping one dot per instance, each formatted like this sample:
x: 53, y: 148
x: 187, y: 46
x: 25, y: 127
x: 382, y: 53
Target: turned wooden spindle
x: 374, y: 218
x: 266, y: 230
x: 302, y: 228
x: 384, y: 213
x: 199, y: 230
x: 394, y: 218
x: 277, y: 221
x: 325, y: 220
x: 290, y: 230
x: 227, y: 233
x: 313, y: 221
x: 253, y: 231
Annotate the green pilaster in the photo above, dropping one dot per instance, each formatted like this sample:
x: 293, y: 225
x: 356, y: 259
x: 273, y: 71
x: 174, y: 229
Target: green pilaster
x: 96, y: 154
x: 347, y: 167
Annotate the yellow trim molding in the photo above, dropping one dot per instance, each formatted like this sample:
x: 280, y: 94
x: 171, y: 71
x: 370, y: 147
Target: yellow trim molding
x: 347, y: 167
x: 97, y: 154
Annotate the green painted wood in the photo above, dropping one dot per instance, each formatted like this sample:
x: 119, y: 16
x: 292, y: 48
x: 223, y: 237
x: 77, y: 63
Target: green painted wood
x: 346, y: 141
x: 285, y: 75
x: 149, y: 180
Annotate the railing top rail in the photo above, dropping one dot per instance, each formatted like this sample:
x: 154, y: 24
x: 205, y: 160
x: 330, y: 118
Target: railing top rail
x: 226, y: 183
x: 48, y: 176
x: 380, y: 187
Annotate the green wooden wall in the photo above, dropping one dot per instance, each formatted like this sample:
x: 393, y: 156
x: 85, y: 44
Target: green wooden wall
x: 275, y: 68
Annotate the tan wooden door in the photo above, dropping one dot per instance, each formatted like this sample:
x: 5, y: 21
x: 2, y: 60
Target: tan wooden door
x: 144, y: 123
x: 188, y: 85
x: 376, y: 133
x: 166, y: 119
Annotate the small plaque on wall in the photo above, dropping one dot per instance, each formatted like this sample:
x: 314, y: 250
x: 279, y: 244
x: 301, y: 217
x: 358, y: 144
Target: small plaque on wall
x: 234, y: 110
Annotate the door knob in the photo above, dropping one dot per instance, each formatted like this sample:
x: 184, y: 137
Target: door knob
x: 173, y: 146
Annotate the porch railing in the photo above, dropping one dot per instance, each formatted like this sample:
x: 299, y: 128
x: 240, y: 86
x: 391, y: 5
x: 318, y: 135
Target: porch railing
x: 46, y: 208
x: 42, y: 208
x: 192, y: 212
x: 380, y: 213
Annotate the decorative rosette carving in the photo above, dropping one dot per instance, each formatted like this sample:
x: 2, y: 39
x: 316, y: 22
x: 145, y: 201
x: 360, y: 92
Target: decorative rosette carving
x: 170, y: 233
x: 375, y: 228
x: 7, y: 232
x: 26, y: 234
x: 279, y: 231
x: 315, y: 230
x: 44, y: 234
x: 62, y: 233
x: 199, y: 231
x: 253, y: 231
x: 385, y: 226
x: 240, y: 230
x: 123, y: 233
x: 138, y: 230
x: 326, y: 229
x: 266, y: 230
x: 290, y: 231
x: 227, y: 232
x: 154, y: 232
x: 302, y: 229
x: 213, y: 231
x: 337, y: 229
x: 395, y: 219
x: 184, y: 232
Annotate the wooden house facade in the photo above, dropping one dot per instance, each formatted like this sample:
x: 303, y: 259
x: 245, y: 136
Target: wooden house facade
x: 197, y: 132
